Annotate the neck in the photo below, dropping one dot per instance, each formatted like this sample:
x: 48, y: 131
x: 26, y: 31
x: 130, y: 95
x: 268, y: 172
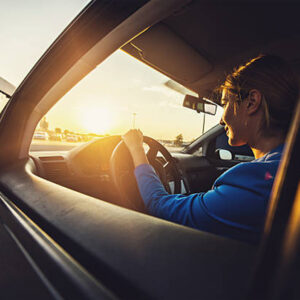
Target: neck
x: 263, y: 145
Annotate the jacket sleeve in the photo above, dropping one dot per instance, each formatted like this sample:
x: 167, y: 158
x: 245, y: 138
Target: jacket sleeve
x: 235, y: 205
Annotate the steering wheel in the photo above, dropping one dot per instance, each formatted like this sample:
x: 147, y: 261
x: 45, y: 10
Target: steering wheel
x: 122, y: 173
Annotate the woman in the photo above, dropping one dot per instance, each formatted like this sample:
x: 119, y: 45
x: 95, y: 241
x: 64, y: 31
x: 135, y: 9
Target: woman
x: 258, y: 99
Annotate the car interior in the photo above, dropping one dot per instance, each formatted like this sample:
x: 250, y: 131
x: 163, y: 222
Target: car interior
x: 73, y: 222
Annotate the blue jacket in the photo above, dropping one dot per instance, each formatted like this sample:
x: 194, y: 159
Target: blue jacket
x: 235, y: 207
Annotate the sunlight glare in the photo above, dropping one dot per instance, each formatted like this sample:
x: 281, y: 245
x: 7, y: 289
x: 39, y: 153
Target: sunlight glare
x: 97, y: 120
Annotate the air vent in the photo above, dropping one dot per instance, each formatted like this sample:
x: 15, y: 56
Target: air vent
x: 55, y: 170
x: 51, y: 158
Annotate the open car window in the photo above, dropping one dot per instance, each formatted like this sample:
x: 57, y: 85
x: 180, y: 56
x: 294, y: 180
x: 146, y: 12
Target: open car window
x: 120, y: 94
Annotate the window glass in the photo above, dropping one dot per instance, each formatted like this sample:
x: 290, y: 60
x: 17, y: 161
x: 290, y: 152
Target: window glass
x: 241, y: 153
x: 120, y: 94
x: 28, y: 28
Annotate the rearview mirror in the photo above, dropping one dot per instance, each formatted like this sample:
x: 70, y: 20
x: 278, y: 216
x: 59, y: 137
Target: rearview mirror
x: 199, y: 105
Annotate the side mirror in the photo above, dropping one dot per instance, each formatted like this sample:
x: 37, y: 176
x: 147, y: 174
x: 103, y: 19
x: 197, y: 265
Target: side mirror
x: 199, y: 105
x: 224, y: 154
x: 6, y: 87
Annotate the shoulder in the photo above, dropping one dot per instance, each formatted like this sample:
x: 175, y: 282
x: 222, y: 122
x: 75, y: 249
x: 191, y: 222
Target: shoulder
x: 262, y: 169
x: 256, y: 174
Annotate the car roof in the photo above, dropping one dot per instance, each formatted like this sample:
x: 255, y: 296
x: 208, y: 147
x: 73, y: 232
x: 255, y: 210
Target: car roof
x: 216, y: 36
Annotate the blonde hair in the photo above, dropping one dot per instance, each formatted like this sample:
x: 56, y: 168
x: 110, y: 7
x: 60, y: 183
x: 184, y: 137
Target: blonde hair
x: 277, y: 83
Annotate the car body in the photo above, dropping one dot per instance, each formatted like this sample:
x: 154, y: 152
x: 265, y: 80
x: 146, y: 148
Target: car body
x: 55, y: 137
x: 41, y: 135
x: 71, y: 138
x: 61, y: 240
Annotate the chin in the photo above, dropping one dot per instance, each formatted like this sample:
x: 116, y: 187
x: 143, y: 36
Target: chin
x: 235, y: 143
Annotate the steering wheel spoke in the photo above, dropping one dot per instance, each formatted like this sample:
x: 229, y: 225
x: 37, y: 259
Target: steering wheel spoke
x: 167, y: 166
x: 151, y: 154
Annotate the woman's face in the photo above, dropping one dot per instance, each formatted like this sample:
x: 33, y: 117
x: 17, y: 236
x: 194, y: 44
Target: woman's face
x: 233, y: 120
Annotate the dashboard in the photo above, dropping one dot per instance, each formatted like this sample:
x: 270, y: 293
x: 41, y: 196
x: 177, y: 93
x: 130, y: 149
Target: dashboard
x: 86, y: 169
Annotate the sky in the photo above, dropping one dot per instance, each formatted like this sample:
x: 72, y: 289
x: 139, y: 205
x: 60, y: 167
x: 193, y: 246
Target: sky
x: 27, y: 30
x: 119, y: 94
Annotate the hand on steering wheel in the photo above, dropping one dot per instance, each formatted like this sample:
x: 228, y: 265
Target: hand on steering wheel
x: 122, y: 175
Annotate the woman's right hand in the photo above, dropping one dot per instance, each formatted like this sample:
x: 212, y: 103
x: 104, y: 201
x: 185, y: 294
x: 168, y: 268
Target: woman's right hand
x: 134, y: 142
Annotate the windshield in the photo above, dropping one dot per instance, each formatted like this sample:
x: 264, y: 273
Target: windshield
x: 120, y: 94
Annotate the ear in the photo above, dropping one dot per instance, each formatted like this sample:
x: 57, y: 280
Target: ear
x: 253, y: 102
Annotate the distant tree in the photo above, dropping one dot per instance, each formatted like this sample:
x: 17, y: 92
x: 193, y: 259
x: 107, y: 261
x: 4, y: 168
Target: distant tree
x: 178, y: 140
x: 57, y: 130
x: 66, y: 131
x: 44, y: 124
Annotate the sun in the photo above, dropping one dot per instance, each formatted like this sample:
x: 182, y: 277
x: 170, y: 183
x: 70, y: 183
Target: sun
x: 97, y: 120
